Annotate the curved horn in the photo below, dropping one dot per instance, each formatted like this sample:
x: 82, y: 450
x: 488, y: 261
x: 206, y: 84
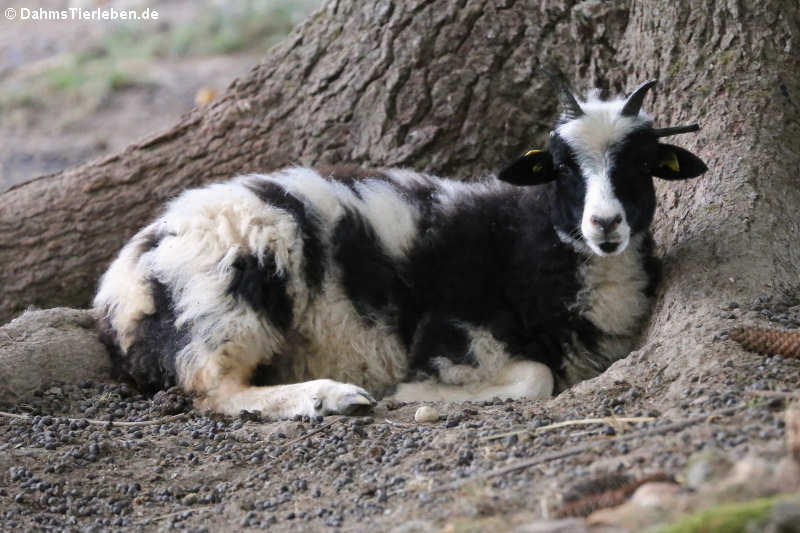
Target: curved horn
x: 634, y: 102
x: 674, y: 130
x: 569, y: 105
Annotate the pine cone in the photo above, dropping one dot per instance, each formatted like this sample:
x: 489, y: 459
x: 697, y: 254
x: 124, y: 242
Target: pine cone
x: 768, y: 341
x: 604, y: 492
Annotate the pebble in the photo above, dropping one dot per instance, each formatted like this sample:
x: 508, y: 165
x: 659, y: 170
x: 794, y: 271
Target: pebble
x: 426, y: 414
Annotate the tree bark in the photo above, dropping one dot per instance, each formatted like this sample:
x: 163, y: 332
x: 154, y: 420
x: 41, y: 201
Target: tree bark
x: 452, y: 88
x: 729, y: 238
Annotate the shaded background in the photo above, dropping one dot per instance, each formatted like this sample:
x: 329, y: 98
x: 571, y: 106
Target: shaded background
x: 74, y: 90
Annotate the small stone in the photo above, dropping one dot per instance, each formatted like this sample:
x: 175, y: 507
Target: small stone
x: 426, y: 414
x: 452, y: 421
x: 706, y: 467
x: 363, y: 421
x: 392, y: 405
x: 655, y: 494
x: 376, y: 451
x: 190, y: 499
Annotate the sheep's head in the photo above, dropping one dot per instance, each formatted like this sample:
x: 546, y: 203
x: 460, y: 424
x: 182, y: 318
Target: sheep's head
x: 602, y: 158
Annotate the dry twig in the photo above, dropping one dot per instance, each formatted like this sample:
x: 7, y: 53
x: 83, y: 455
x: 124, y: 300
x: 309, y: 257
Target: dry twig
x: 773, y: 394
x: 310, y: 433
x: 613, y: 421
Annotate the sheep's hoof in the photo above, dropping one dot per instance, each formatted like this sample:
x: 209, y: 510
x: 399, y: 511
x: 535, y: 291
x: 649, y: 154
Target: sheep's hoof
x: 336, y: 398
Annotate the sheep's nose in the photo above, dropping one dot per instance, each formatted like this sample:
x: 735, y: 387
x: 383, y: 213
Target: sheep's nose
x: 607, y: 224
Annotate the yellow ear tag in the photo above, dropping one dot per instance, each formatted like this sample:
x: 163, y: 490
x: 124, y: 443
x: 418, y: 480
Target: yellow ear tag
x: 538, y: 166
x: 671, y: 162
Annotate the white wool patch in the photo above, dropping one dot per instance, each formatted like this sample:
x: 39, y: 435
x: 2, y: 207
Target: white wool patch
x: 380, y: 203
x: 208, y: 229
x: 612, y: 297
x: 517, y: 379
x: 390, y: 215
x: 496, y: 375
x: 592, y: 138
x: 328, y: 198
x: 205, y: 230
x: 450, y: 194
x: 328, y: 339
x: 124, y: 295
x: 410, y: 178
x: 332, y: 340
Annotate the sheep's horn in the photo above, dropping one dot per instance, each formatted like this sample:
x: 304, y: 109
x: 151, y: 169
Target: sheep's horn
x: 674, y: 130
x: 634, y: 102
x: 569, y: 105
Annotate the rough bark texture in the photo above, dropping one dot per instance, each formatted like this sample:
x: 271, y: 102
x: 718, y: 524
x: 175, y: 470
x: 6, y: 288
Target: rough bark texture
x: 452, y: 88
x: 41, y: 347
x: 731, y: 235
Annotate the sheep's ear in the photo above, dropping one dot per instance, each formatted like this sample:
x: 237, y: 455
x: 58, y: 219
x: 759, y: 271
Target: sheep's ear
x: 533, y: 168
x: 675, y: 163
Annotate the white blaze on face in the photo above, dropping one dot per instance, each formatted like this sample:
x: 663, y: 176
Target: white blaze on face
x: 592, y: 138
x: 601, y: 204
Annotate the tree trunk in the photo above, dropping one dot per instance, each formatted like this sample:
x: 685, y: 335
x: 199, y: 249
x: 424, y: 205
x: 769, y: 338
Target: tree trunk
x: 729, y: 238
x: 452, y: 88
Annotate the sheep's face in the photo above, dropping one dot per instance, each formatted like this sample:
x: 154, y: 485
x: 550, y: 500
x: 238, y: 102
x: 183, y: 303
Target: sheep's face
x: 602, y: 159
x: 604, y: 184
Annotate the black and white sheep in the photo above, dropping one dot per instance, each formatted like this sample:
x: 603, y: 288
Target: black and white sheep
x: 305, y: 292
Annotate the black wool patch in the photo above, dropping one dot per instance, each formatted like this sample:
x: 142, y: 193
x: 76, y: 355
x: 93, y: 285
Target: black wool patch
x: 150, y: 361
x: 314, y: 260
x: 496, y: 262
x: 151, y: 241
x: 652, y: 264
x: 631, y: 178
x: 263, y: 288
x: 568, y: 194
x: 456, y: 263
x: 371, y: 279
x: 438, y: 337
